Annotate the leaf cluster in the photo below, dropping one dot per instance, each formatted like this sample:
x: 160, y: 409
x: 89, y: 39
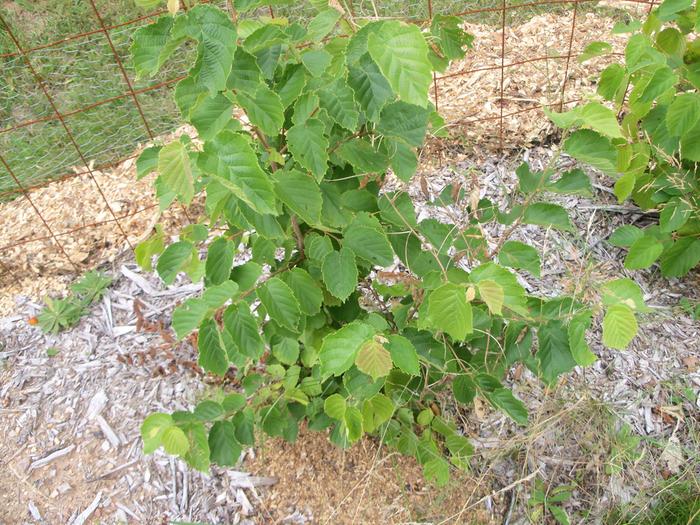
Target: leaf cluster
x: 644, y: 131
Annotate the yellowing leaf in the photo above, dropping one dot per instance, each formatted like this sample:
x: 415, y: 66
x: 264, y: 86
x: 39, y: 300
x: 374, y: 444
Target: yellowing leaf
x: 373, y: 359
x: 492, y: 294
x: 173, y: 6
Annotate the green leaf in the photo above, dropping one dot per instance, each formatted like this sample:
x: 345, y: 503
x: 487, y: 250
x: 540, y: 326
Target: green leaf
x: 175, y: 171
x: 592, y: 148
x: 280, y: 303
x: 513, y: 294
x: 224, y: 448
x: 212, y: 356
x: 316, y: 246
x: 663, y: 79
x: 245, y: 74
x: 322, y: 24
x: 548, y: 215
x: 675, y: 214
x: 246, y: 275
x: 600, y: 119
x: 594, y: 49
x: 376, y: 411
x: 340, y: 273
x: 450, y: 36
x: 612, y: 81
x: 619, y: 326
x: 368, y: 243
x: 682, y: 114
x: 305, y: 290
x: 643, y: 253
x: 145, y: 250
x: 405, y: 122
x: 624, y: 291
x: 373, y: 359
x: 554, y: 354
x: 208, y: 410
x: 264, y: 110
x: 316, y: 61
x: 437, y: 470
x: 334, y: 406
x: 216, y: 35
x: 681, y: 257
x: 175, y: 441
x: 449, y: 311
x: 353, y: 423
x: 403, y: 161
x: 243, y: 328
x: 152, y: 430
x: 338, y: 350
x: 188, y: 316
x: 220, y: 260
x: 210, y: 115
x: 504, y: 399
x: 152, y: 46
x: 669, y: 8
x: 625, y: 236
x: 300, y: 193
x: 492, y: 294
x: 401, y: 53
x: 309, y: 146
x: 147, y: 162
x: 286, y: 351
x: 216, y: 296
x: 576, y: 331
x: 173, y: 259
x: 372, y: 91
x: 515, y: 254
x: 403, y: 354
x: 362, y: 156
x: 231, y: 159
x: 339, y: 101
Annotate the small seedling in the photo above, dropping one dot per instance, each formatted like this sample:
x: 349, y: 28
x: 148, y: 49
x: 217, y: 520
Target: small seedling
x: 60, y: 314
x: 548, y: 503
x: 52, y: 351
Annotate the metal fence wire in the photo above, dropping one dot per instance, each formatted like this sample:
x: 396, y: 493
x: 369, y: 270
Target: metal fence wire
x: 54, y: 127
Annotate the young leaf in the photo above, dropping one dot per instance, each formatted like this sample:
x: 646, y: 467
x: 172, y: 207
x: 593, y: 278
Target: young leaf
x: 592, y: 148
x: 625, y: 236
x: 175, y: 171
x: 594, y: 49
x: 334, y: 406
x: 492, y: 294
x: 152, y: 430
x: 619, y: 326
x: 449, y: 311
x: 372, y: 91
x: 175, y: 441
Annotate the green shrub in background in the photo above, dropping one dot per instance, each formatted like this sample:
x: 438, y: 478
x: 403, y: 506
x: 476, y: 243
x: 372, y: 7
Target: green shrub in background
x: 650, y: 141
x: 349, y: 314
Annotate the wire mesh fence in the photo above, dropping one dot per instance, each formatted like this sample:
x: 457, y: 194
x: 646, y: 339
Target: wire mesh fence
x: 71, y: 107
